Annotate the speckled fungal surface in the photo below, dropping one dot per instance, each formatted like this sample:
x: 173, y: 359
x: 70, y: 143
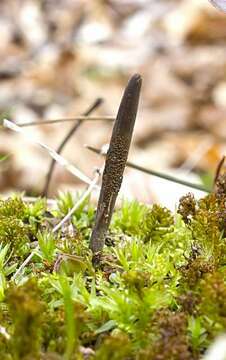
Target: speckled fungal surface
x: 115, y: 161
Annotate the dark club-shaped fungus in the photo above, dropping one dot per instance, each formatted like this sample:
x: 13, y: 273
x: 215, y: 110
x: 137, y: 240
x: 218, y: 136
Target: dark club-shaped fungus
x: 116, y: 161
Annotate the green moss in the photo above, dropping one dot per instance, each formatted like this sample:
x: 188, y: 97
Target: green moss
x: 212, y: 289
x: 172, y: 341
x: 13, y: 207
x: 158, y: 292
x: 115, y: 347
x: 157, y: 222
x: 14, y: 229
x: 129, y: 218
x: 26, y: 312
x: 15, y: 233
x: 187, y: 207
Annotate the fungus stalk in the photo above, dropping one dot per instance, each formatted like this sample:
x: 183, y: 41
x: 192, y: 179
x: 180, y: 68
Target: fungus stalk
x: 116, y: 161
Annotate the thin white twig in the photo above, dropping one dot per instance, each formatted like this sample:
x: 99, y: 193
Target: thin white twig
x: 69, y: 214
x: 26, y: 261
x: 58, y: 158
x: 57, y: 121
x: 217, y: 350
x: 4, y: 332
x: 196, y: 155
x: 80, y: 201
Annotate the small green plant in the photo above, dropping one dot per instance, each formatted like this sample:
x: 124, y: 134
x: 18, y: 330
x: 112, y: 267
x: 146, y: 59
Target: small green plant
x: 72, y: 338
x: 197, y: 332
x: 129, y: 218
x: 3, y: 252
x: 13, y: 207
x: 65, y: 203
x: 34, y: 213
x: 82, y: 218
x: 47, y: 245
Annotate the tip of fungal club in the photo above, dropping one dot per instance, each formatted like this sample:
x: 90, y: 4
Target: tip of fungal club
x: 136, y: 78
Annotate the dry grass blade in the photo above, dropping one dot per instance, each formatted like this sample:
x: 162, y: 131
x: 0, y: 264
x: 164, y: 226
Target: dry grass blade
x: 155, y: 173
x: 217, y: 350
x: 63, y: 120
x: 60, y: 148
x: 4, y: 333
x: 79, y: 202
x: 197, y: 154
x: 115, y: 161
x: 62, y: 161
x: 218, y: 170
x: 219, y: 4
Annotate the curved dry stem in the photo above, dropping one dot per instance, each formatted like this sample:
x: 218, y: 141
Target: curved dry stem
x: 63, y: 120
x: 60, y: 148
x: 155, y: 173
x: 218, y: 170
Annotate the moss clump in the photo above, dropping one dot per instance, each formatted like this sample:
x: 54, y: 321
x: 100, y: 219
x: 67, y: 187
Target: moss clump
x: 14, y: 230
x: 157, y: 222
x: 172, y: 340
x: 129, y: 218
x: 115, y: 347
x: 158, y: 291
x: 207, y: 220
x: 15, y: 233
x: 26, y: 313
x: 195, y: 269
x: 187, y: 207
x: 212, y: 289
x: 13, y: 207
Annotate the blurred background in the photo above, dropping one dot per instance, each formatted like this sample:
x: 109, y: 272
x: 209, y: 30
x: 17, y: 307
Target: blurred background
x: 58, y: 56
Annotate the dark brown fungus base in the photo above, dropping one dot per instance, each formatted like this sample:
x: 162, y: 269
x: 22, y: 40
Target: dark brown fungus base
x: 116, y: 161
